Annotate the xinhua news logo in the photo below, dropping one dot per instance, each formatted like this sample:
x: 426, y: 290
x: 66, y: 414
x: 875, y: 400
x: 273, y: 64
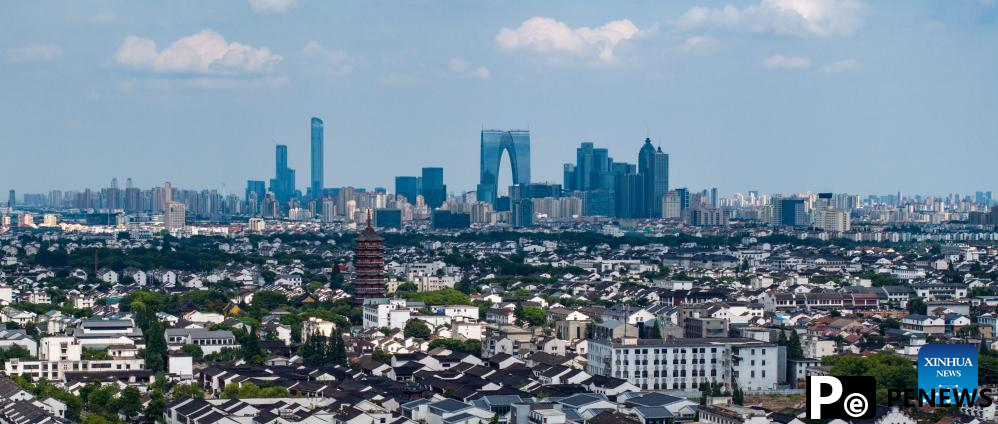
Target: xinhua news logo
x: 841, y: 397
x: 947, y: 366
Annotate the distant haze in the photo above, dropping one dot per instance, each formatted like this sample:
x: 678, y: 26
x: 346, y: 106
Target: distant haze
x: 769, y: 95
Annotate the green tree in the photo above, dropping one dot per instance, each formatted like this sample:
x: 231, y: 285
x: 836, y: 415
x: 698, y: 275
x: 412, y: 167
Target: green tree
x: 155, y: 351
x: 917, y: 306
x: 407, y: 287
x: 129, y: 402
x: 189, y: 390
x: 532, y: 315
x: 381, y: 356
x: 794, y: 348
x: 252, y: 352
x: 192, y: 349
x: 417, y: 329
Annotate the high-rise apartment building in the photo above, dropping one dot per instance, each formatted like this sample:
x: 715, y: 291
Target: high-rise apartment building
x: 671, y: 205
x: 315, y: 183
x: 174, y: 216
x: 832, y: 220
x: 493, y: 143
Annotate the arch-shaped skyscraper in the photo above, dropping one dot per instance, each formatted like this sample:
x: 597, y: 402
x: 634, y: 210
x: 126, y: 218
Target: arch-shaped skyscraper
x: 494, y: 142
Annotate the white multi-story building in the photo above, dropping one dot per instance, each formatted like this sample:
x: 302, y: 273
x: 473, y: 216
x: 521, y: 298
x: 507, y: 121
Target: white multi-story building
x: 833, y: 220
x: 432, y: 282
x: 390, y: 313
x: 682, y: 364
x: 210, y: 341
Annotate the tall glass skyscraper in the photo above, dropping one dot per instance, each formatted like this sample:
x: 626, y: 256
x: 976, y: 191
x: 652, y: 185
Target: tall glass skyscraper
x: 433, y: 188
x: 517, y: 144
x: 408, y: 187
x: 653, y: 165
x: 315, y: 186
x: 283, y: 183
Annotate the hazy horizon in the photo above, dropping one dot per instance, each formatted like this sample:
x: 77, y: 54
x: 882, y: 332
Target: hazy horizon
x: 768, y: 95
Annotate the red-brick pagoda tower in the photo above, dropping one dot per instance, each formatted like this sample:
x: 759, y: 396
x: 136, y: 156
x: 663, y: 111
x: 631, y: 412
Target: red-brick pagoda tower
x: 368, y: 265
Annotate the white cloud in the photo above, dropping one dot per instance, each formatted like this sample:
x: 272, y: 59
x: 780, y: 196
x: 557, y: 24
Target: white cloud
x: 33, y: 53
x: 271, y: 6
x: 329, y: 61
x: 786, y: 62
x: 841, y: 66
x: 202, y: 83
x: 548, y: 36
x: 822, y: 18
x: 206, y: 52
x: 698, y: 44
x: 462, y: 67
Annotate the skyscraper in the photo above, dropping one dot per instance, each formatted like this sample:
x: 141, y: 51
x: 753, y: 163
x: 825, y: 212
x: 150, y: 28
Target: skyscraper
x: 315, y: 188
x: 368, y: 265
x: 408, y: 187
x: 433, y: 188
x: 592, y: 168
x: 283, y: 183
x: 653, y: 165
x: 11, y: 199
x: 493, y: 142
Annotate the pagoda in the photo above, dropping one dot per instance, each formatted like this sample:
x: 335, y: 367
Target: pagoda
x: 368, y: 265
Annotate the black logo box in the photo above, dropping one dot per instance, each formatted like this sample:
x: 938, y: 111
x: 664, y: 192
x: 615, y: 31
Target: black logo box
x: 865, y: 386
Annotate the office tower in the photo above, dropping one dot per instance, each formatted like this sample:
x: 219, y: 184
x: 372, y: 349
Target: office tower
x: 493, y: 142
x: 444, y: 219
x: 653, y: 165
x: 388, y: 218
x: 592, y: 168
x: 408, y: 187
x: 788, y: 212
x: 11, y: 199
x: 597, y: 203
x: 539, y: 190
x: 671, y: 205
x: 433, y: 189
x: 521, y: 206
x: 713, y: 197
x: 315, y: 188
x: 628, y: 191
x: 569, y: 177
x: 174, y: 216
x: 684, y: 198
x: 368, y: 265
x: 283, y: 183
x: 255, y: 190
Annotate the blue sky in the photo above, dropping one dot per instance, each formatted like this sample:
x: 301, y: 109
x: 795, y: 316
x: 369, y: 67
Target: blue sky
x: 771, y: 95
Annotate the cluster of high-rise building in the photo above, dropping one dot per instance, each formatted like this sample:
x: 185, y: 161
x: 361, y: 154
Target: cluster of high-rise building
x: 595, y: 185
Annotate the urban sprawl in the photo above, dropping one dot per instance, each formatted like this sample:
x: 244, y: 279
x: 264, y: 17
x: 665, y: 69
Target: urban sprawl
x: 607, y: 298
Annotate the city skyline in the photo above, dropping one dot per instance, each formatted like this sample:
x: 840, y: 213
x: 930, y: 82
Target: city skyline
x: 778, y: 98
